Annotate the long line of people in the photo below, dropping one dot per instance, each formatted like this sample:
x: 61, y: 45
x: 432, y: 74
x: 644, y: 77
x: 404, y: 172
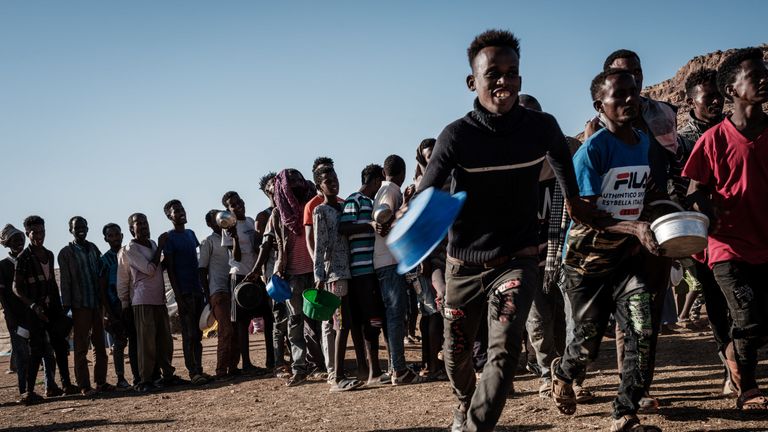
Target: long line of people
x: 551, y: 225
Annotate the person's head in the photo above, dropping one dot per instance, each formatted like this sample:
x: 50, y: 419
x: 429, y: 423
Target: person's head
x: 615, y: 94
x: 138, y: 225
x: 175, y: 212
x: 78, y: 227
x: 326, y: 181
x: 424, y: 151
x: 267, y: 184
x: 12, y: 238
x: 210, y: 220
x: 113, y: 235
x: 530, y: 102
x: 322, y: 161
x: 394, y: 169
x: 627, y: 60
x: 743, y: 77
x: 232, y: 201
x: 296, y: 183
x: 34, y: 226
x: 494, y: 57
x: 703, y: 96
x: 371, y: 178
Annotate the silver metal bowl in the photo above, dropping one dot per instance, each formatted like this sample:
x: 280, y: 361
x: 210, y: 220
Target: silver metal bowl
x: 681, y: 234
x: 225, y: 219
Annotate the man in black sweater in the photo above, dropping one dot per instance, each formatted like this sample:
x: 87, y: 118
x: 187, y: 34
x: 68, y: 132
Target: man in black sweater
x: 495, y: 154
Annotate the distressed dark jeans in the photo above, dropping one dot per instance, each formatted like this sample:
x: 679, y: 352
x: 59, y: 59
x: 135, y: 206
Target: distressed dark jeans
x: 546, y: 327
x: 468, y: 293
x: 623, y: 292
x: 744, y: 288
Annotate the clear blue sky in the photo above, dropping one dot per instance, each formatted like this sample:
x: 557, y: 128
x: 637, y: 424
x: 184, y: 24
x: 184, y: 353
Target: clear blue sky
x: 108, y: 107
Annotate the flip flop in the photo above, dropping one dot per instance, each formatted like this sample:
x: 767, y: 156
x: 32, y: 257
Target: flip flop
x: 562, y: 392
x: 752, y: 400
x: 346, y: 384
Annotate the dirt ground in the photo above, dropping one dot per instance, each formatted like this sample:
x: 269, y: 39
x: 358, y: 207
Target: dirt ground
x: 687, y: 383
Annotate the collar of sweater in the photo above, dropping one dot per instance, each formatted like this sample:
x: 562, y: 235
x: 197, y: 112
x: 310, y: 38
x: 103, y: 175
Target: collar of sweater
x: 701, y: 125
x: 497, y: 122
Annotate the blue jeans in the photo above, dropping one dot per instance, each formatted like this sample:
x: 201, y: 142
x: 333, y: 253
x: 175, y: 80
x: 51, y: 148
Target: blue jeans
x: 392, y: 286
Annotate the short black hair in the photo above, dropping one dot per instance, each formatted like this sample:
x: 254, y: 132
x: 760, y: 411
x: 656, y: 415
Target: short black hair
x: 30, y: 221
x: 730, y: 67
x: 227, y: 196
x: 699, y: 77
x: 595, y: 89
x: 74, y: 218
x: 168, y: 205
x: 265, y: 179
x: 108, y: 227
x: 394, y: 165
x: 322, y: 160
x: 427, y: 143
x: 371, y: 173
x: 135, y: 216
x: 526, y: 99
x: 318, y: 173
x: 618, y: 54
x: 493, y: 38
x: 210, y: 217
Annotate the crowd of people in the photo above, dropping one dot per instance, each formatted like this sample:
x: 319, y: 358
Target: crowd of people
x: 551, y: 248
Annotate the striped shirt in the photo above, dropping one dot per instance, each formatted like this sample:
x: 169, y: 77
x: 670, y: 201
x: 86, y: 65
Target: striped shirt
x: 358, y: 208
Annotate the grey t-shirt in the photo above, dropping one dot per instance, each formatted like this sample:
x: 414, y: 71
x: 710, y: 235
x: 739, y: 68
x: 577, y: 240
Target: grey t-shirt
x: 215, y: 258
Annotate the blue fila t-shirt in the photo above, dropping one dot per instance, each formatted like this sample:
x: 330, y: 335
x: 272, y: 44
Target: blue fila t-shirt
x: 618, y: 174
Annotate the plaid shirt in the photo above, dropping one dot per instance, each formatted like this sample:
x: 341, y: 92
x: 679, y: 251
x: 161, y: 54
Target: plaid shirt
x: 30, y: 283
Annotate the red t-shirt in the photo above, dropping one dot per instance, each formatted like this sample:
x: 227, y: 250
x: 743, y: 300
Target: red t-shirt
x: 310, y: 207
x: 737, y: 170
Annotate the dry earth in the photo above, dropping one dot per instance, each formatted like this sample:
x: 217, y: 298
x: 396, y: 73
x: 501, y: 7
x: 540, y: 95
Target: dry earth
x: 687, y: 383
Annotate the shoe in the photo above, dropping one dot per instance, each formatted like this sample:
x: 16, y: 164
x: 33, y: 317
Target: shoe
x: 106, y: 387
x: 172, y: 380
x: 122, y: 384
x: 198, y: 379
x: 10, y: 371
x: 296, y: 380
x: 408, y: 377
x: 70, y: 389
x: 582, y: 395
x: 30, y: 398
x: 53, y: 391
x: 533, y: 368
x: 545, y: 389
x: 145, y: 387
x: 87, y: 391
x: 648, y: 405
x: 459, y: 420
x: 282, y: 372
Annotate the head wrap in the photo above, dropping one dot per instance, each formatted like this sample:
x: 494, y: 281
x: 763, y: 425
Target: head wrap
x: 291, y: 207
x: 7, y: 233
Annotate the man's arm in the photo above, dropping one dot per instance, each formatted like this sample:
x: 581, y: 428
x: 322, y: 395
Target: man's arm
x: 321, y: 244
x: 123, y: 278
x: 441, y: 164
x: 639, y: 229
x: 20, y: 287
x: 65, y: 285
x: 309, y: 237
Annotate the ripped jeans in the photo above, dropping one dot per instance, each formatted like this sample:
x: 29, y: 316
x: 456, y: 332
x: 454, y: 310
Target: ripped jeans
x: 471, y: 295
x: 624, y: 293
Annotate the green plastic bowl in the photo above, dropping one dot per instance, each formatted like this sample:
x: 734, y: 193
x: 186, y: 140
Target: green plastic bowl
x: 320, y: 305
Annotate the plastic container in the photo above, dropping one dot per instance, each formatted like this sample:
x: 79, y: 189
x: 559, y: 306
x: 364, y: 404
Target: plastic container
x: 278, y: 288
x: 320, y: 305
x: 423, y: 226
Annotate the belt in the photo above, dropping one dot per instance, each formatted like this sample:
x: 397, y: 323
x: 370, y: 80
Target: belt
x: 527, y: 252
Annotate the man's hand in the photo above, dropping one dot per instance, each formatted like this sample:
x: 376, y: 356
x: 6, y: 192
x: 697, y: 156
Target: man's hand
x: 40, y: 312
x: 319, y: 285
x: 408, y: 194
x: 584, y: 212
x: 647, y: 239
x: 591, y: 127
x: 253, y: 276
x: 232, y: 231
x: 382, y: 229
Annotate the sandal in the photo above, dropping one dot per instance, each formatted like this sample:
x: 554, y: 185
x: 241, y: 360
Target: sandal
x: 752, y: 400
x: 630, y: 423
x: 582, y: 395
x: 409, y: 377
x: 346, y: 384
x: 382, y: 380
x: 648, y: 404
x: 562, y: 392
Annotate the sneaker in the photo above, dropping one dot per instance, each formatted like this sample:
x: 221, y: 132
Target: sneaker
x: 533, y: 368
x: 408, y: 377
x: 53, y: 391
x: 459, y: 420
x: 296, y: 380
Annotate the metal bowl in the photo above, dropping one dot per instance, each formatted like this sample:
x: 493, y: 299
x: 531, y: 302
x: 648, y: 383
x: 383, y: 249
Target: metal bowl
x: 681, y: 234
x: 225, y: 219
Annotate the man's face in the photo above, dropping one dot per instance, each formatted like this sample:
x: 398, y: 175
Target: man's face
x: 79, y: 229
x: 236, y: 206
x: 329, y: 184
x: 177, y: 214
x: 114, y: 237
x: 16, y: 243
x: 427, y: 153
x: 632, y: 65
x: 297, y: 183
x: 36, y: 235
x: 620, y: 100
x: 751, y: 83
x: 269, y: 188
x: 707, y: 102
x: 140, y: 227
x: 496, y: 78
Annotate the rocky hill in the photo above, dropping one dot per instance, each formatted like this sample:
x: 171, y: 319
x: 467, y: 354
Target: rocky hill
x: 673, y: 89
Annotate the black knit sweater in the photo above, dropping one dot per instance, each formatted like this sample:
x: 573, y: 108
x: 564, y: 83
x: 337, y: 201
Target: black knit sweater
x: 497, y: 159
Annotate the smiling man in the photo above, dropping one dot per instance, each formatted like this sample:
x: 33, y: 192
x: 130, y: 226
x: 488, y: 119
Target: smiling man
x: 495, y: 154
x: 80, y: 266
